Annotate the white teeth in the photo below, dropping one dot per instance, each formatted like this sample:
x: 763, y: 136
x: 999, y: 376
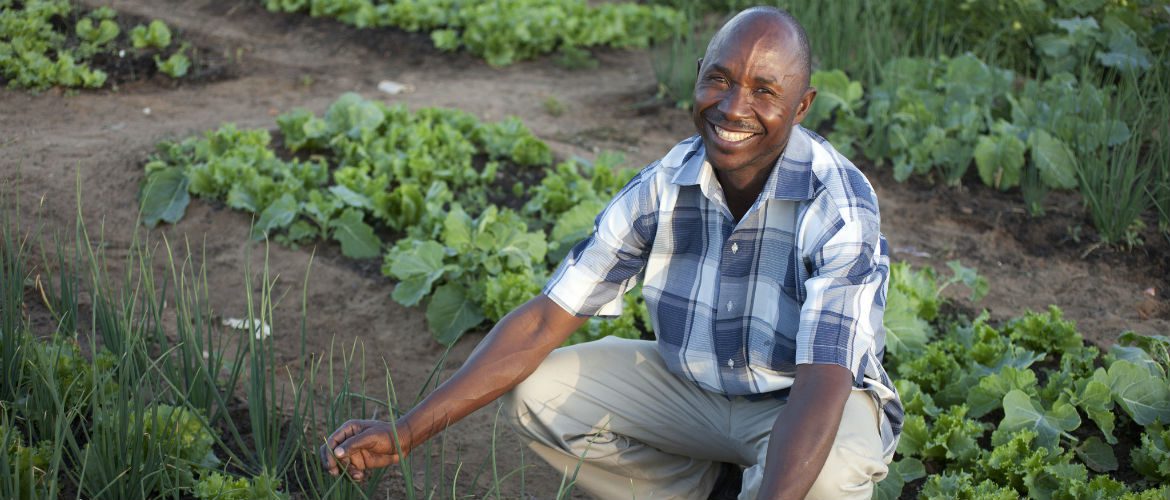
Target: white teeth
x: 730, y: 136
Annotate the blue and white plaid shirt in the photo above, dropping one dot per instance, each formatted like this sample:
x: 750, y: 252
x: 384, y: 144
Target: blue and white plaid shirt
x: 801, y: 278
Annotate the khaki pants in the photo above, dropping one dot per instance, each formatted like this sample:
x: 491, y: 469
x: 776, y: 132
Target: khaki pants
x: 635, y: 430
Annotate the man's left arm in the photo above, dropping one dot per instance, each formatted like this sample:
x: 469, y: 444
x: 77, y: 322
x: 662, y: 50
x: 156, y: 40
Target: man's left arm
x: 839, y: 322
x: 805, y: 430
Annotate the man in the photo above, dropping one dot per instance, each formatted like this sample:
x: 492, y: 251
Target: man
x: 765, y: 277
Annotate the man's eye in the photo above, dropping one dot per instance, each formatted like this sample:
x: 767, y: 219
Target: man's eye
x: 765, y: 91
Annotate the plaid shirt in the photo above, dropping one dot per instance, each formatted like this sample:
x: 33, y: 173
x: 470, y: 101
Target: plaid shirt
x: 801, y: 278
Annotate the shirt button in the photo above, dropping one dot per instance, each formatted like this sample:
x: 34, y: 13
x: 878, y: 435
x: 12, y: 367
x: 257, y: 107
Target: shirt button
x: 730, y: 305
x: 731, y: 363
x: 734, y: 247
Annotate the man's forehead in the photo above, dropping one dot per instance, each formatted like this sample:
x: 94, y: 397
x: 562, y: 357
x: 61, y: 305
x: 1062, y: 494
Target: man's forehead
x: 767, y: 54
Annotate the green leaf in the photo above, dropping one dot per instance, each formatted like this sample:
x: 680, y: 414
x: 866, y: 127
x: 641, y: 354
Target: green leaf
x: 175, y: 66
x: 157, y: 36
x: 906, y: 333
x: 900, y: 472
x: 1000, y: 159
x: 573, y: 226
x: 351, y: 115
x: 357, y: 238
x: 1152, y: 458
x: 1021, y: 412
x: 1082, y: 6
x: 165, y: 196
x: 1095, y: 398
x: 1144, y: 397
x: 105, y: 31
x: 423, y: 257
x: 834, y: 92
x: 457, y: 229
x: 450, y: 313
x: 410, y: 291
x: 970, y: 278
x: 349, y: 197
x: 914, y: 435
x: 277, y: 215
x: 988, y: 395
x: 1055, y: 161
x: 1097, y: 455
x: 417, y: 268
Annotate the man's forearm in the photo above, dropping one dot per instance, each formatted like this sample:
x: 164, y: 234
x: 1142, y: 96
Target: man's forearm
x: 804, y: 431
x: 510, y: 353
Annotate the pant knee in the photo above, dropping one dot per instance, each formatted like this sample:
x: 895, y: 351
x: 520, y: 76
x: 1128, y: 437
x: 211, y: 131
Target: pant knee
x: 848, y: 473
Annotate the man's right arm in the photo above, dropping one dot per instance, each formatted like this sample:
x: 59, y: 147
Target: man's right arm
x: 513, y: 349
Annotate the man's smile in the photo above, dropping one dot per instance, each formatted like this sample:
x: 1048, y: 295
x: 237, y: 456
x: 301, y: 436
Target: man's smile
x: 730, y: 137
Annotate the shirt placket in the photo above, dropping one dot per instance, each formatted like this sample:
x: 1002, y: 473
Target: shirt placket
x: 734, y: 259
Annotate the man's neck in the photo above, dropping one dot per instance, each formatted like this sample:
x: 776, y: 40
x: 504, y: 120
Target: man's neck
x: 742, y: 187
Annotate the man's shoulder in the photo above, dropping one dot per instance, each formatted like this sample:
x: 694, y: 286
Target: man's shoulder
x: 684, y: 152
x: 836, y: 177
x: 663, y: 173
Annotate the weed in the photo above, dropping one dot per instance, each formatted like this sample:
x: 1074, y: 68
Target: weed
x: 553, y: 106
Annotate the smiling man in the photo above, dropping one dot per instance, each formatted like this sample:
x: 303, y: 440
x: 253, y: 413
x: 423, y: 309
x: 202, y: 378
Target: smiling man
x: 764, y: 273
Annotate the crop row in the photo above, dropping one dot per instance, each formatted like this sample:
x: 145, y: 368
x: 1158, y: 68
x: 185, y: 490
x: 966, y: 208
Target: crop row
x: 469, y: 217
x: 1022, y: 409
x: 45, y: 43
x: 505, y: 31
x: 939, y: 118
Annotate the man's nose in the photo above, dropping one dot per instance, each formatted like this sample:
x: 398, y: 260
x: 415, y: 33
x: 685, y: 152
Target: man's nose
x: 735, y: 104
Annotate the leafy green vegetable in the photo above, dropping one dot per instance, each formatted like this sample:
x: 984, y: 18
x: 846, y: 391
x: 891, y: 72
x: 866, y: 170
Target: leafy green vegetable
x: 989, y: 394
x: 105, y: 31
x: 357, y: 238
x: 450, y: 313
x: 1054, y: 159
x: 1097, y: 455
x: 1152, y: 458
x: 1145, y: 398
x: 900, y: 472
x: 216, y: 486
x: 506, y: 31
x: 22, y: 468
x: 175, y: 66
x: 1020, y: 411
x: 164, y: 196
x: 962, y: 486
x: 836, y: 95
x: 154, y: 36
x: 1095, y: 398
x: 277, y: 215
x: 1000, y: 159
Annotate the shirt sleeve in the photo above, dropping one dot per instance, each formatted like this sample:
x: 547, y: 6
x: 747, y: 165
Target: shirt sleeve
x: 600, y: 269
x: 841, y: 318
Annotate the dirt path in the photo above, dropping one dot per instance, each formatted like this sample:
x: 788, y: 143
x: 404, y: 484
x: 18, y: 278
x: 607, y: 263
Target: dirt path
x: 50, y: 141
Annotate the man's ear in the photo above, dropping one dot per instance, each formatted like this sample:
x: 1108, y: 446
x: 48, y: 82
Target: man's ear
x: 805, y: 104
x: 699, y: 65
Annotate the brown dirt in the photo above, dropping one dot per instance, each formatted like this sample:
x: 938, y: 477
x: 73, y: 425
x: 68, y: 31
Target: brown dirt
x: 50, y: 142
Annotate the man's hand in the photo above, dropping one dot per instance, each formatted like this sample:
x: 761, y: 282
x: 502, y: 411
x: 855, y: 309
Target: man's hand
x: 510, y: 352
x: 360, y: 445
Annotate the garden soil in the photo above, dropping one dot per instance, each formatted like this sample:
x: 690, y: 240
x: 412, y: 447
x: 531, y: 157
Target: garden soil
x: 52, y: 143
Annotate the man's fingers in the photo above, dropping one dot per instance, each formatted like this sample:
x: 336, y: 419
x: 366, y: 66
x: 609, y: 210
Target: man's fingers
x: 327, y: 460
x: 347, y: 430
x: 359, y: 465
x: 373, y: 439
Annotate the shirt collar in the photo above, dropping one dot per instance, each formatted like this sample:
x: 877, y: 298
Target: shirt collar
x: 791, y: 178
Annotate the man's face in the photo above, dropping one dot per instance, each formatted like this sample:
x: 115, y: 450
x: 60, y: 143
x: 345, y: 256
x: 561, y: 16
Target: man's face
x: 750, y: 92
